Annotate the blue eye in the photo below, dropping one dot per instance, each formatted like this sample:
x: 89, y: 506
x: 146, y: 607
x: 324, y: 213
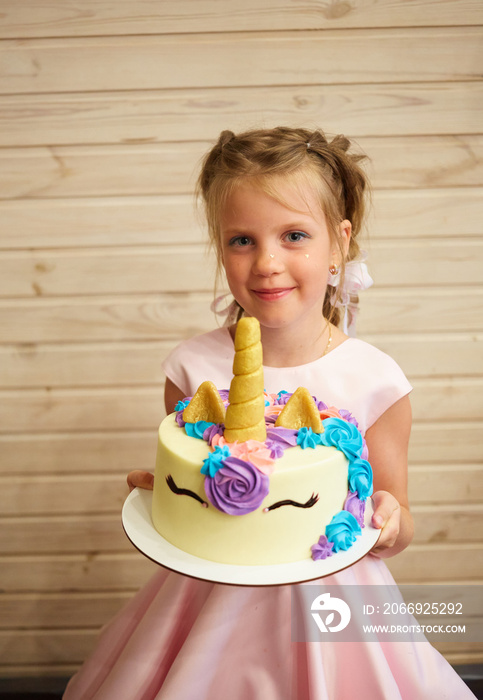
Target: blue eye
x: 296, y: 236
x: 240, y: 241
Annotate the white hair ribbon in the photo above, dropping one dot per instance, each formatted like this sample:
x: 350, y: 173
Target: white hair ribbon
x: 356, y: 279
x: 224, y: 308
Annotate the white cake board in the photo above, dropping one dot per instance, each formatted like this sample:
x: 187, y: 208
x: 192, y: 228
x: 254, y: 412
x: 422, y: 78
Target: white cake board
x: 138, y: 526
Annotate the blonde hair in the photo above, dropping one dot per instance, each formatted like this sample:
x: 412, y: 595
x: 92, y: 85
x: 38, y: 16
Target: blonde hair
x: 264, y: 156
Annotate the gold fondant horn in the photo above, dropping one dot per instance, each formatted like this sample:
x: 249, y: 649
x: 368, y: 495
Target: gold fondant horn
x: 245, y: 415
x: 300, y: 411
x: 206, y: 405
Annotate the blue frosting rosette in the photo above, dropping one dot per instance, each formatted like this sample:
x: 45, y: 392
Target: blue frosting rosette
x: 360, y: 478
x: 214, y: 461
x: 342, y: 435
x: 197, y: 430
x: 307, y: 438
x: 342, y: 530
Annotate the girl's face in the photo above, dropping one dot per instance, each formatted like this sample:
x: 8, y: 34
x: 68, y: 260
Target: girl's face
x: 277, y: 258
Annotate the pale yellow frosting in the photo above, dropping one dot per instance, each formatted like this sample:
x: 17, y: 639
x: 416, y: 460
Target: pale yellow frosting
x: 279, y: 536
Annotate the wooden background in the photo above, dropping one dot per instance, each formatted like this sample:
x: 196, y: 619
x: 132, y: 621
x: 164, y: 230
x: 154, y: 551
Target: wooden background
x: 106, y: 109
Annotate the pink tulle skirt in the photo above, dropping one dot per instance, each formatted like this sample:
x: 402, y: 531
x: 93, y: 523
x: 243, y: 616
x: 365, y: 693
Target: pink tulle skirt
x: 180, y: 638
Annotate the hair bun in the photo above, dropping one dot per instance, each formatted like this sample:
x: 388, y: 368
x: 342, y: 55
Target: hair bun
x: 225, y: 137
x: 317, y: 138
x: 340, y: 142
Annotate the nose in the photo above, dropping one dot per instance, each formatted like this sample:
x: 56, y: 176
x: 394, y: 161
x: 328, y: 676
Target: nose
x: 267, y: 263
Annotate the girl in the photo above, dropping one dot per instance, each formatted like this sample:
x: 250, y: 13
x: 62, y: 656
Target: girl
x: 284, y: 210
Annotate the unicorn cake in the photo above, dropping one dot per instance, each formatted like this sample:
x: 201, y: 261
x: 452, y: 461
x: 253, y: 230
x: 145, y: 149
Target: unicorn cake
x: 248, y: 478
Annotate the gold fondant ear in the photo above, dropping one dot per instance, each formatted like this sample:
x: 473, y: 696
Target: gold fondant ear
x: 206, y: 405
x: 300, y: 411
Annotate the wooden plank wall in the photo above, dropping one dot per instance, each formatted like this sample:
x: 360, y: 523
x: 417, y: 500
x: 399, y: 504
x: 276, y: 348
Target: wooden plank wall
x: 106, y: 109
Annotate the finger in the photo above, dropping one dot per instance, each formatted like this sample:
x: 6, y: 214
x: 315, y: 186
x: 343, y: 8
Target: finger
x: 389, y: 533
x: 384, y: 506
x: 382, y: 517
x: 388, y: 536
x: 141, y: 479
x: 378, y: 520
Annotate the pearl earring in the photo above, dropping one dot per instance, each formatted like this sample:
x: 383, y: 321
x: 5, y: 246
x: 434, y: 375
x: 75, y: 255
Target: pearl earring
x: 334, y: 269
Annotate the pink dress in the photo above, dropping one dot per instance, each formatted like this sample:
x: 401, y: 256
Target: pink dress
x: 180, y: 638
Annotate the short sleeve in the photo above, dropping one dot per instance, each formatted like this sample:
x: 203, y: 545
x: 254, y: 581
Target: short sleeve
x: 355, y: 376
x: 390, y: 384
x: 207, y: 356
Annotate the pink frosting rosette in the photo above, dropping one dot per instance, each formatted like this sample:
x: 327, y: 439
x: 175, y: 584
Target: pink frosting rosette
x: 237, y: 488
x: 255, y: 452
x: 252, y: 451
x: 329, y: 412
x: 218, y: 441
x: 274, y: 410
x: 269, y: 399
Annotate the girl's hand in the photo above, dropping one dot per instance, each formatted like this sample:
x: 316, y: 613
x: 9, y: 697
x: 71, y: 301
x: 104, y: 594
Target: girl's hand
x: 144, y: 480
x: 386, y: 517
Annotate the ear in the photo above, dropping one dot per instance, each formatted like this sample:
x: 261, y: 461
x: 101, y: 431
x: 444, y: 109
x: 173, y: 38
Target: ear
x: 345, y: 231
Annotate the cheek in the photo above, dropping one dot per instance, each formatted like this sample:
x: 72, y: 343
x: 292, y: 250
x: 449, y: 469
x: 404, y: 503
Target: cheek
x: 314, y: 273
x: 235, y: 271
x: 312, y: 265
x: 235, y: 265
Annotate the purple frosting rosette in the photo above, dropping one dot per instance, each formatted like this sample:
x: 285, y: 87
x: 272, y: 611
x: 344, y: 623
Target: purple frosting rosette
x: 322, y: 549
x: 278, y: 439
x: 237, y: 488
x: 353, y: 504
x: 282, y: 398
x: 284, y: 436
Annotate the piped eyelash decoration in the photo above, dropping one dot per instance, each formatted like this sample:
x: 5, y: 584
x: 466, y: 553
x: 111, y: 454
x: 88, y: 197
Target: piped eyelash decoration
x: 184, y: 492
x: 308, y: 504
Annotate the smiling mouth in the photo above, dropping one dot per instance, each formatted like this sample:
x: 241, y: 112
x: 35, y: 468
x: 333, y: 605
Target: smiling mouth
x: 272, y: 294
